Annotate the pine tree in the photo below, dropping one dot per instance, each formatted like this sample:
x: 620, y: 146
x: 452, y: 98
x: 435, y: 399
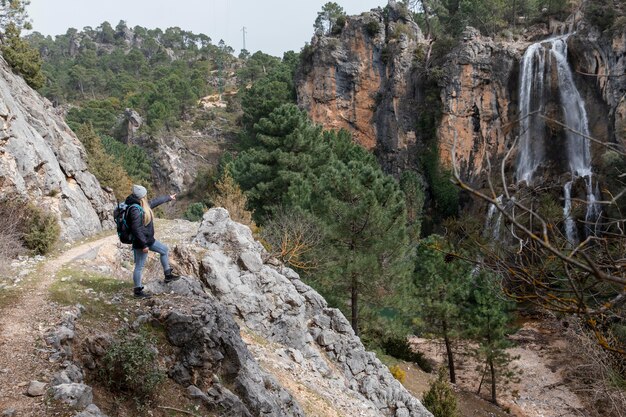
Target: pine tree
x: 488, y: 324
x: 287, y: 149
x: 442, y: 285
x: 102, y: 165
x: 440, y: 399
x: 366, y: 241
x: 23, y: 58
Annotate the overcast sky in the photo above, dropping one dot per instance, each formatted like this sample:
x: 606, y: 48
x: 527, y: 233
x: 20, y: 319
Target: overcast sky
x: 273, y: 26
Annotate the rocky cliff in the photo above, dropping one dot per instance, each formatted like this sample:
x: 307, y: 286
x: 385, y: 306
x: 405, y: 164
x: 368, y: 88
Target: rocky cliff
x: 244, y: 335
x: 43, y: 161
x: 310, y: 347
x: 361, y: 80
x: 370, y: 85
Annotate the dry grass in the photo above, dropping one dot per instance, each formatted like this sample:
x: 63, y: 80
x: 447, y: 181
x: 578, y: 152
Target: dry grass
x: 11, y: 216
x: 598, y: 376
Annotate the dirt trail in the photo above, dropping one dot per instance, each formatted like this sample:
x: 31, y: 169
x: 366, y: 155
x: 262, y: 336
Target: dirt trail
x: 23, y: 352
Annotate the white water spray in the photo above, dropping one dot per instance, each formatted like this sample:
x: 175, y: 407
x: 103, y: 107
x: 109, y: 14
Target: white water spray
x: 535, y: 79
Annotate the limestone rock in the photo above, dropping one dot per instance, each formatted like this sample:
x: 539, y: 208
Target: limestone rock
x: 77, y: 396
x: 91, y: 411
x: 476, y: 97
x: 41, y: 160
x: 272, y: 303
x: 36, y: 389
x: 361, y: 80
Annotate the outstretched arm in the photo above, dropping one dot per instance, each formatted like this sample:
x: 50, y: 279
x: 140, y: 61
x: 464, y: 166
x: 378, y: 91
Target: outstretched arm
x: 155, y: 202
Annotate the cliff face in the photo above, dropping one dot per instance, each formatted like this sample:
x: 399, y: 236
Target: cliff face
x: 307, y: 346
x: 43, y: 161
x: 360, y: 80
x: 370, y: 86
x: 478, y: 97
x: 600, y: 60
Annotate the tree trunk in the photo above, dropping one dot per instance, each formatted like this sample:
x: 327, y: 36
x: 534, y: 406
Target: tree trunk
x: 446, y: 338
x: 493, y: 382
x: 355, y: 307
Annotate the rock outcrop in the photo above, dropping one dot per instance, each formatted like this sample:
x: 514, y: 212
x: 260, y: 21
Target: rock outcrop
x: 478, y: 97
x: 42, y: 161
x: 600, y: 60
x: 360, y: 80
x: 301, y: 354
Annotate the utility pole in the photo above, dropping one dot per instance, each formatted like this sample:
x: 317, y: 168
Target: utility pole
x: 244, y: 30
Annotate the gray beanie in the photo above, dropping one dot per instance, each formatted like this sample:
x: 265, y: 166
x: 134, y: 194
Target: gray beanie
x: 139, y: 191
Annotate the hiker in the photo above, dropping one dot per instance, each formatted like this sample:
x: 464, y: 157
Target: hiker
x: 141, y: 224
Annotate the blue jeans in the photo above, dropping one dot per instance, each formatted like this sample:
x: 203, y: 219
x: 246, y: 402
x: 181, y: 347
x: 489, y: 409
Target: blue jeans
x: 140, y: 260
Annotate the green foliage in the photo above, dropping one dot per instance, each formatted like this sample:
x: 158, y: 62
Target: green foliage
x: 440, y: 399
x: 130, y: 366
x: 104, y: 166
x: 132, y: 158
x: 399, y: 348
x: 22, y: 57
x: 195, y: 212
x: 330, y: 20
x: 445, y: 194
x: 162, y: 77
x: 13, y: 12
x: 288, y: 147
x: 600, y: 13
x: 291, y: 163
x: 413, y: 190
x: 41, y: 229
x: 365, y: 218
x: 488, y: 324
x: 102, y: 114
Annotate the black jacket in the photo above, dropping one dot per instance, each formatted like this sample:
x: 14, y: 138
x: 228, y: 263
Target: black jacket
x: 143, y: 236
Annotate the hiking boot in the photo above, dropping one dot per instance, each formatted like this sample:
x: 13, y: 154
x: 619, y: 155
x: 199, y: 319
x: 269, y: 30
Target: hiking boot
x: 140, y: 293
x: 170, y: 276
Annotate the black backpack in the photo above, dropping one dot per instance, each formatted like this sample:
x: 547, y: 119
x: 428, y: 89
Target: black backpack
x: 120, y: 213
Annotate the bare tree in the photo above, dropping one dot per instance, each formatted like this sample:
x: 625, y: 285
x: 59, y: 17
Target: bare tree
x: 541, y: 265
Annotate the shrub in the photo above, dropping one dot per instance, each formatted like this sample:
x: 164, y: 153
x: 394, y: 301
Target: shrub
x: 41, y: 230
x: 399, y: 348
x: 398, y: 373
x: 130, y: 366
x: 195, y: 212
x: 439, y: 399
x: 372, y: 28
x: 11, y: 215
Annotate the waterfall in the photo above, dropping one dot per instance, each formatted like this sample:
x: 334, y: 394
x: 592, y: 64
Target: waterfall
x: 540, y: 61
x: 492, y: 228
x: 570, y: 225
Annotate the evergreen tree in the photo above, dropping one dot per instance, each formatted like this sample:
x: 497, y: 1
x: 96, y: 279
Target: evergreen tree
x: 287, y: 148
x: 13, y: 12
x: 442, y: 285
x: 23, y: 58
x: 330, y: 20
x: 488, y: 324
x: 366, y: 243
x: 440, y: 399
x: 102, y: 165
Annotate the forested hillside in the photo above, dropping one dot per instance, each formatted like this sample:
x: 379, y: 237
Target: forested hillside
x: 448, y: 170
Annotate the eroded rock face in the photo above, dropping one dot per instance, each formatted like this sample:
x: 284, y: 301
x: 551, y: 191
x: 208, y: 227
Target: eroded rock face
x: 43, y: 161
x: 600, y: 60
x: 478, y: 102
x: 306, y: 341
x: 360, y: 80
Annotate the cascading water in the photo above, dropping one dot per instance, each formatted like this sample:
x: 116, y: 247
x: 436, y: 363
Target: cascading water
x: 492, y: 227
x: 540, y: 62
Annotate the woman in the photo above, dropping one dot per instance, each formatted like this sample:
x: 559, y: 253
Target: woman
x: 142, y: 228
